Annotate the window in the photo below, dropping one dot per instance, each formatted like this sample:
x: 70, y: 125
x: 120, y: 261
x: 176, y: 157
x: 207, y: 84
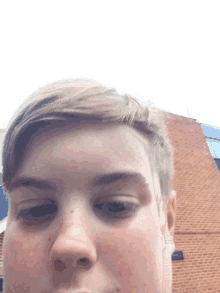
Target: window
x: 218, y: 163
x: 212, y: 135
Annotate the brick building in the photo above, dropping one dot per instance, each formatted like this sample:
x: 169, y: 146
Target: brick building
x: 197, y: 229
x: 197, y: 183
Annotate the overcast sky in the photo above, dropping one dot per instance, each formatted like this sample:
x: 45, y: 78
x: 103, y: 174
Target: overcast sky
x: 167, y: 52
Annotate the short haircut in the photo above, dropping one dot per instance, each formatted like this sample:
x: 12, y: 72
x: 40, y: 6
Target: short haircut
x: 71, y: 100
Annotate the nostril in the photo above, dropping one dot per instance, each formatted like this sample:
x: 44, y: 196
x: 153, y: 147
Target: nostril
x: 83, y: 262
x: 59, y: 265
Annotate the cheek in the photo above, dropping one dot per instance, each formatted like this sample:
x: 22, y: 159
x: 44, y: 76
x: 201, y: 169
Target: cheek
x: 24, y: 254
x: 24, y: 264
x: 133, y: 254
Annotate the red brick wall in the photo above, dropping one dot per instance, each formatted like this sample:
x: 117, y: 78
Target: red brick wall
x: 197, y: 229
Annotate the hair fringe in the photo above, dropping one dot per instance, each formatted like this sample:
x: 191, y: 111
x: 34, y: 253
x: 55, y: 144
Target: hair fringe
x: 65, y: 101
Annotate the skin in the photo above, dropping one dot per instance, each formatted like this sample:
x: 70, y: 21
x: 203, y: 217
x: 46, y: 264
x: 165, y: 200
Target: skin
x: 124, y: 249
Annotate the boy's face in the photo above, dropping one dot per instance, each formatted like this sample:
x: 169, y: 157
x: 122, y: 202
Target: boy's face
x: 78, y: 232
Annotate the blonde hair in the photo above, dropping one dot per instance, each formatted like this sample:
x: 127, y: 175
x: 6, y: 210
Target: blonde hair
x: 66, y: 100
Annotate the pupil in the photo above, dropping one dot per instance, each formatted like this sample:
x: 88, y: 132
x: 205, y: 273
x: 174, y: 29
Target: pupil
x: 116, y: 207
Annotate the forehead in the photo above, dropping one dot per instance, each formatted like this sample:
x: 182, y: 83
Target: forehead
x: 85, y: 148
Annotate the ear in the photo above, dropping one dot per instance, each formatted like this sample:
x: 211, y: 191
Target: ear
x: 168, y: 218
x: 171, y: 212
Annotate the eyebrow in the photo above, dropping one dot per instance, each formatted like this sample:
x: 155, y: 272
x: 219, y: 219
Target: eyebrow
x: 113, y: 178
x: 99, y: 181
x: 25, y: 181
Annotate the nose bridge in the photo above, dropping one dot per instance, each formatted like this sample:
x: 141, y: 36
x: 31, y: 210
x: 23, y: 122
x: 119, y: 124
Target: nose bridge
x: 73, y: 209
x: 75, y: 223
x: 74, y: 245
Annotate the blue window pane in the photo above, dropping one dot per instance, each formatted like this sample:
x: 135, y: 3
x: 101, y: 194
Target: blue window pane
x: 214, y: 146
x: 210, y: 131
x: 3, y: 205
x: 212, y: 135
x: 218, y: 163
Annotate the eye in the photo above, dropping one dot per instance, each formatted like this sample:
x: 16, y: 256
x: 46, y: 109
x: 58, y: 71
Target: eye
x: 39, y: 214
x: 117, y: 209
x: 28, y: 183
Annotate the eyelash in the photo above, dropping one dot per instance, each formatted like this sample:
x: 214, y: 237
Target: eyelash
x: 40, y: 214
x: 128, y: 209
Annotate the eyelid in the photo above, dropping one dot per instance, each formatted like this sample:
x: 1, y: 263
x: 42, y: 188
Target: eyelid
x: 131, y: 207
x: 31, y: 203
x: 124, y: 198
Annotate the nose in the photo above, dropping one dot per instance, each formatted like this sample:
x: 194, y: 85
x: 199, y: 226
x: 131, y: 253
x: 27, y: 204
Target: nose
x: 73, y: 248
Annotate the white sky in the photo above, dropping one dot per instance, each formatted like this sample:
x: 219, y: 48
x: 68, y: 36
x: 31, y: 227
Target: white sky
x: 164, y: 51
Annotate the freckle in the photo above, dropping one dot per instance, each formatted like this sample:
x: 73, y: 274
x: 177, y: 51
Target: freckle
x: 71, y: 211
x: 49, y: 239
